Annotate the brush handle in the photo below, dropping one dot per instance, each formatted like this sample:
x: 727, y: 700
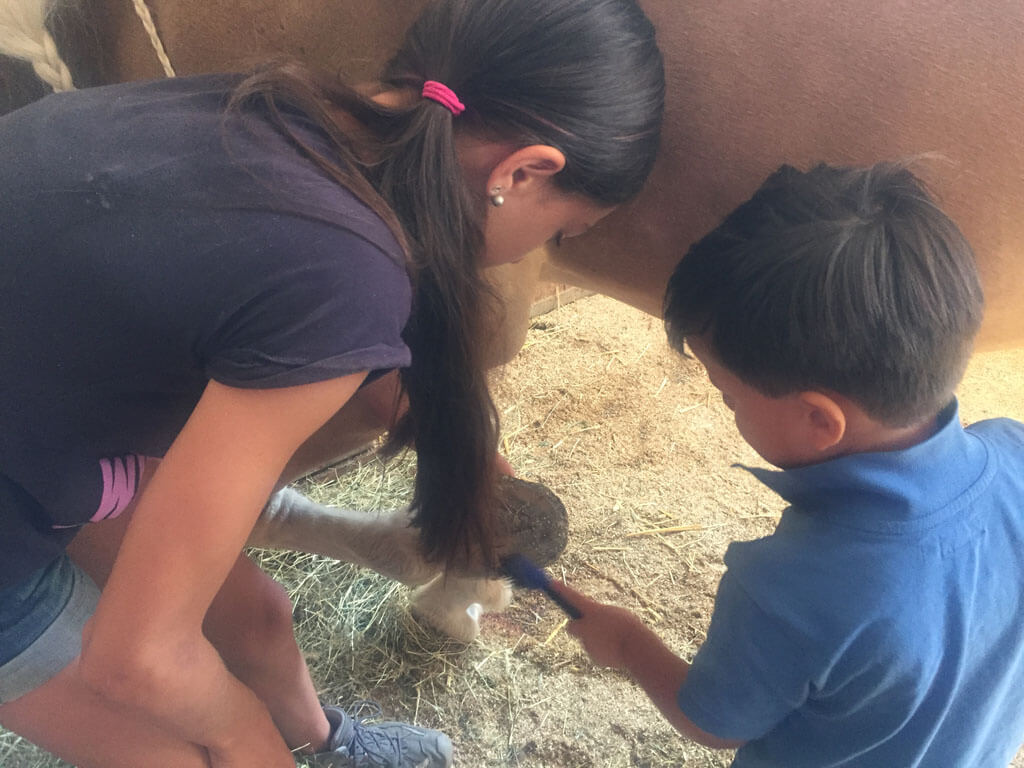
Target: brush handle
x: 570, y: 610
x: 525, y: 574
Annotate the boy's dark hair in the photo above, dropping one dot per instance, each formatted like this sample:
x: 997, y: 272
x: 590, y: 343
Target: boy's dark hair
x: 843, y: 279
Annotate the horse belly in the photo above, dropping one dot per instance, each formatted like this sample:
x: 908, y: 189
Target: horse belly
x: 755, y: 84
x: 751, y: 84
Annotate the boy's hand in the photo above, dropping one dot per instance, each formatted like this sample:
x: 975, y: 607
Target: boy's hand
x: 617, y: 638
x: 604, y: 630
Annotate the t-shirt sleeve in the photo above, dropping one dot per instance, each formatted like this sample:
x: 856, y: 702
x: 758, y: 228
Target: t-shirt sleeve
x: 318, y: 303
x: 748, y: 675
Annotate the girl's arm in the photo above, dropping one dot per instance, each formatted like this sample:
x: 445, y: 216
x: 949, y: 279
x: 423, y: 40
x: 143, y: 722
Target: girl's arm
x: 614, y: 637
x: 145, y: 647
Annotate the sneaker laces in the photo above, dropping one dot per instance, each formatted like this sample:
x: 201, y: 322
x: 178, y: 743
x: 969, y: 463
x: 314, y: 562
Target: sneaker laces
x: 372, y: 742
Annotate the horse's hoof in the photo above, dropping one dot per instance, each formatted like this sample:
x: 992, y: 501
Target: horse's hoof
x: 431, y: 606
x: 494, y: 596
x: 530, y: 521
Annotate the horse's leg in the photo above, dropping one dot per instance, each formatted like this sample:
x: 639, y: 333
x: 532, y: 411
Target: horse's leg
x: 386, y: 543
x: 453, y: 604
x: 383, y: 541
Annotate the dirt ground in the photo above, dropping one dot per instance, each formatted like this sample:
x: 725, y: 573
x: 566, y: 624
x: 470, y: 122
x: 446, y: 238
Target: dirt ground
x: 639, y: 447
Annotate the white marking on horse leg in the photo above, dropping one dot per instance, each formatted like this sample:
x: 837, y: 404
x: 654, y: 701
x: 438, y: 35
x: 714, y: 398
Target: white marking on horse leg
x: 453, y: 604
x: 435, y: 605
x: 383, y: 541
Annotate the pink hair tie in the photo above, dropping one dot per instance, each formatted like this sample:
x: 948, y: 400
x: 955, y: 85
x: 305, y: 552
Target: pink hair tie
x: 443, y: 95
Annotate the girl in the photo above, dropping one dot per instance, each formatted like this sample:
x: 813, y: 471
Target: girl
x: 205, y: 270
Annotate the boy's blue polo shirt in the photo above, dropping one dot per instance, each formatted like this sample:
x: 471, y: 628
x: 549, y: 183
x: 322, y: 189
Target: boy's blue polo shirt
x: 882, y: 624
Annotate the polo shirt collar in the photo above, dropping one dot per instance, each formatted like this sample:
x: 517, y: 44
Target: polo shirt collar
x: 891, y: 491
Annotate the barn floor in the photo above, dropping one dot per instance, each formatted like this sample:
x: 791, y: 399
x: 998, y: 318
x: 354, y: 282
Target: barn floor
x: 639, y: 447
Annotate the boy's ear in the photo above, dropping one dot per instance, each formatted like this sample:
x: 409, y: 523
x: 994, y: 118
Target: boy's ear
x: 524, y: 168
x: 826, y: 419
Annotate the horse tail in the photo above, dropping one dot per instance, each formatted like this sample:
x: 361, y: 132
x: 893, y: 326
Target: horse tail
x: 23, y: 35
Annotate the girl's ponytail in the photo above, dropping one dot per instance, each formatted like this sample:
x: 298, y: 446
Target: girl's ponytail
x: 451, y: 420
x: 583, y: 76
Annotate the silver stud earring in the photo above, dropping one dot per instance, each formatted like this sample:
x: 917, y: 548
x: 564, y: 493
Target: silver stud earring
x: 496, y: 198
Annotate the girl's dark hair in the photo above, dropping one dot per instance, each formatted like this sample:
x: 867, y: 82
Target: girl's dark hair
x: 843, y: 279
x: 584, y: 76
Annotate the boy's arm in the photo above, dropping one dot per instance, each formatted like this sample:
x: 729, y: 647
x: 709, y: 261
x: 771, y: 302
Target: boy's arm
x: 614, y: 637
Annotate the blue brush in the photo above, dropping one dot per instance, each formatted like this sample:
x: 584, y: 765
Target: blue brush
x: 525, y: 574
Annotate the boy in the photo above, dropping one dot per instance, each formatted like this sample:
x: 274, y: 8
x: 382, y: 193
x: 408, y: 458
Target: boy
x: 882, y: 624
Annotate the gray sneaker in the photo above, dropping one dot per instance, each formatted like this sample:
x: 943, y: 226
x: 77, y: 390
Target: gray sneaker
x: 354, y: 743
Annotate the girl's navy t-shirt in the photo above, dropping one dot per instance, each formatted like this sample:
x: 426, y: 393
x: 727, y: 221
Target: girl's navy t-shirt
x: 151, y: 241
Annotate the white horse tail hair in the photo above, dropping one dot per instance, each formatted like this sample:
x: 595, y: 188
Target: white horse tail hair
x: 23, y: 35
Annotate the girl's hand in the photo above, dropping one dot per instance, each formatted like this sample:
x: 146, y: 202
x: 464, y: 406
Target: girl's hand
x: 604, y: 630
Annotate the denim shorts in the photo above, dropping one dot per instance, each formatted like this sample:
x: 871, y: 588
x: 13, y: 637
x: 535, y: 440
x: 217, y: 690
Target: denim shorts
x: 41, y: 620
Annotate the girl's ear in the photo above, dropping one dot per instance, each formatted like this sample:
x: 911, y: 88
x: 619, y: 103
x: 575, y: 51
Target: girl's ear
x: 525, y: 169
x: 825, y: 419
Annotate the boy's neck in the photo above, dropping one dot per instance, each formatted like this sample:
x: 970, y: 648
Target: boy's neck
x: 866, y: 435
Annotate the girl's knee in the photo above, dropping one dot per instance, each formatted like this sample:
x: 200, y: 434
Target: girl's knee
x: 252, y: 626
x: 268, y: 626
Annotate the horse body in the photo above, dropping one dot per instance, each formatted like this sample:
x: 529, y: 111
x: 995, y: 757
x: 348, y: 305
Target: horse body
x: 751, y: 85
x: 754, y: 84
